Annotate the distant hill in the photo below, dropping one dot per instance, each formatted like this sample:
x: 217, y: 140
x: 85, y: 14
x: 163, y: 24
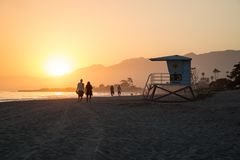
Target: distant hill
x: 222, y: 60
x: 136, y: 68
x: 139, y: 68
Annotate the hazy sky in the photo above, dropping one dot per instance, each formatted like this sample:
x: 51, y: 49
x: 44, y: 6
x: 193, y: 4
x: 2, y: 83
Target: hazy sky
x: 86, y: 32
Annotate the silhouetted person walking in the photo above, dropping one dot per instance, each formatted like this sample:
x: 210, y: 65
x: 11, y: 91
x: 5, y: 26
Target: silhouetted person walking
x: 80, y: 89
x: 119, y: 90
x: 89, y: 91
x: 111, y: 90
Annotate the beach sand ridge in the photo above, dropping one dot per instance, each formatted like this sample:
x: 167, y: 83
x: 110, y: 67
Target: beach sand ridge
x: 121, y: 128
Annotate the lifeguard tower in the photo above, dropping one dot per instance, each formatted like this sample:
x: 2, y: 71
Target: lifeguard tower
x: 176, y: 83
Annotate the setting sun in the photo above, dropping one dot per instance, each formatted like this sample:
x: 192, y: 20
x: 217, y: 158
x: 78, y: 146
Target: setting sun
x: 58, y: 66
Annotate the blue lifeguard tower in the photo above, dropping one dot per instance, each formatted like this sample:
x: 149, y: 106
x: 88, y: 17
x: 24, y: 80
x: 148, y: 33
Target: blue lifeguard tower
x: 176, y: 82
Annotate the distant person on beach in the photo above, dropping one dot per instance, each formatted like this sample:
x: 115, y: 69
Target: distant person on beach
x: 89, y: 91
x: 111, y: 90
x: 80, y: 89
x: 119, y: 90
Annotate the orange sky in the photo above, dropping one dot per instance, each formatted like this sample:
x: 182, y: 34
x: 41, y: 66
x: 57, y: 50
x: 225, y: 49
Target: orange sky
x: 105, y: 32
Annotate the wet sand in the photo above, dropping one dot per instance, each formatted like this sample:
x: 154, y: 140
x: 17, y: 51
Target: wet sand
x: 121, y: 128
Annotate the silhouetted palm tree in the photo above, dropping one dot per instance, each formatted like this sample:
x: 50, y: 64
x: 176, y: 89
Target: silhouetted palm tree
x: 227, y: 72
x: 235, y: 74
x: 203, y: 74
x: 211, y: 78
x: 215, y: 72
x: 194, y: 75
x: 130, y: 81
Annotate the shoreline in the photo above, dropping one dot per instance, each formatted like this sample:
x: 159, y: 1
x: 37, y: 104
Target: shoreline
x: 67, y: 98
x: 26, y: 96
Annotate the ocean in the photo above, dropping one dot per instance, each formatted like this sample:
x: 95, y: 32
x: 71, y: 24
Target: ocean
x: 6, y: 96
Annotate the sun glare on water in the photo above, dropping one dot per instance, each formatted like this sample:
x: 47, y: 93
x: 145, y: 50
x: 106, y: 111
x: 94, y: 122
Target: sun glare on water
x: 58, y: 66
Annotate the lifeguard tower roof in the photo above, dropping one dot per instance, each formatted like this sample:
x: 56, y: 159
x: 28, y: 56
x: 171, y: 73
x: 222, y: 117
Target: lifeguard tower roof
x: 171, y: 58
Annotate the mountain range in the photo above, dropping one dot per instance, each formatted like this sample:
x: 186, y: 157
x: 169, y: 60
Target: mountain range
x: 136, y: 68
x: 139, y: 68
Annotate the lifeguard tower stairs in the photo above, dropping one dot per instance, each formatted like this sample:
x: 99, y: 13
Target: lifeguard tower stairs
x: 173, y: 86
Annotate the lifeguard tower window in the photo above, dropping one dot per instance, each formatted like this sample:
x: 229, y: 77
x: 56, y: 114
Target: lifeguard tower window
x: 175, y: 77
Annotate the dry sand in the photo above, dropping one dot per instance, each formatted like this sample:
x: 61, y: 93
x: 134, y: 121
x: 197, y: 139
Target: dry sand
x: 121, y: 128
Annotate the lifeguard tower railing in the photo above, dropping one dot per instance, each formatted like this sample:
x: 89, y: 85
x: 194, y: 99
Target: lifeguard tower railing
x: 163, y: 81
x: 155, y: 79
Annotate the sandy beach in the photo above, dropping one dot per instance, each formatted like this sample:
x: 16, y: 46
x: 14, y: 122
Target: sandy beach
x: 121, y: 128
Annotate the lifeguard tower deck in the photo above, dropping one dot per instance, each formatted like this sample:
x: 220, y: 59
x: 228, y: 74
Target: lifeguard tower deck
x: 177, y: 82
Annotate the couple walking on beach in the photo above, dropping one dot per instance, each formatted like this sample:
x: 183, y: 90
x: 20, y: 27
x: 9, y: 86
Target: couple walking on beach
x: 80, y: 90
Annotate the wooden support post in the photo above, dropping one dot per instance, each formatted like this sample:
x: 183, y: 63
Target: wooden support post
x: 172, y: 92
x: 154, y: 90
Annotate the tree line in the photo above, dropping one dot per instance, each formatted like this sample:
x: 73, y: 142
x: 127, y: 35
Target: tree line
x: 127, y: 85
x: 231, y: 81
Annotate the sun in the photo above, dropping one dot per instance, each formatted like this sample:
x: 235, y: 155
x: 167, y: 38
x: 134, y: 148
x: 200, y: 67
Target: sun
x: 58, y: 66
